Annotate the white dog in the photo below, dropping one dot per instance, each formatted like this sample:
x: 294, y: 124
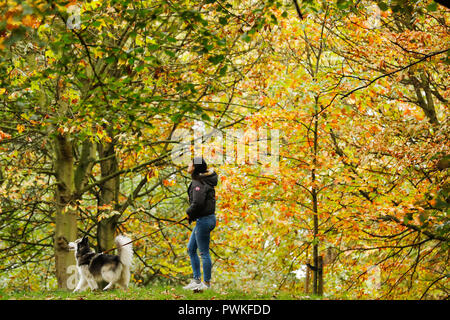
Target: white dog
x: 94, y: 267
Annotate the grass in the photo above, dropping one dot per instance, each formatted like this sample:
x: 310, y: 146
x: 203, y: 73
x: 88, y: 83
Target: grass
x: 159, y: 292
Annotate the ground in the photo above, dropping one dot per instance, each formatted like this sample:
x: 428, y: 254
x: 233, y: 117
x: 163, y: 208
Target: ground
x: 160, y: 292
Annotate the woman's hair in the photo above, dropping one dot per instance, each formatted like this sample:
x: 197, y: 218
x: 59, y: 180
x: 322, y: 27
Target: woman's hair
x: 200, y: 166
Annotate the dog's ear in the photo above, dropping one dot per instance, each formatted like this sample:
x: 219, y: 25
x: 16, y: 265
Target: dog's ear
x: 84, y: 240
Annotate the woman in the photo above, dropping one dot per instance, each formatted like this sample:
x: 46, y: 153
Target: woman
x: 202, y: 200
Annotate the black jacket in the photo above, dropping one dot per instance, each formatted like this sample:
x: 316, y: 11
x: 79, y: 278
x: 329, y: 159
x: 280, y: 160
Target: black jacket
x: 202, y: 196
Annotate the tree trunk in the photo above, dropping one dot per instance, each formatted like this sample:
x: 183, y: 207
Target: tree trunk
x: 424, y: 98
x: 66, y: 219
x: 317, y: 276
x: 320, y: 276
x: 307, y: 277
x: 109, y: 193
x: 315, y: 246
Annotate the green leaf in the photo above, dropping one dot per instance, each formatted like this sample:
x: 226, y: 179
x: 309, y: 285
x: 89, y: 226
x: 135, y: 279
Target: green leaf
x: 16, y: 35
x: 221, y: 42
x: 139, y: 68
x: 110, y: 59
x: 396, y: 8
x: 169, y: 53
x: 223, y: 70
x: 205, y: 117
x: 432, y: 6
x: 176, y: 117
x: 216, y: 59
x: 423, y: 217
x: 315, y: 241
x: 383, y: 6
x: 407, y: 217
x: 246, y: 37
x: 153, y: 46
x: 343, y: 4
x: 223, y: 21
x: 274, y: 19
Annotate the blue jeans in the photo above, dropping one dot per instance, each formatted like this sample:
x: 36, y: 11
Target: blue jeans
x: 199, y: 239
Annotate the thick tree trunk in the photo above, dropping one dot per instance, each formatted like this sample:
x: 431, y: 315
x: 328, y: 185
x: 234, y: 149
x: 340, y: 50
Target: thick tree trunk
x: 320, y: 276
x: 66, y: 231
x: 105, y: 233
x: 65, y: 220
x: 307, y: 277
x: 109, y: 193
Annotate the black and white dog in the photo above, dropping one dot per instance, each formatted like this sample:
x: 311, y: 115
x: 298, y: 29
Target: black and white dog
x: 95, y: 267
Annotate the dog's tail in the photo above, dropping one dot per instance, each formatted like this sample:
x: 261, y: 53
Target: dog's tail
x: 125, y: 250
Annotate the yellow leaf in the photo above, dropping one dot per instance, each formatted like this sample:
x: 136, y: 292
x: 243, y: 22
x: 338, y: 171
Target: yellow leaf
x: 139, y: 40
x: 20, y: 128
x: 98, y: 53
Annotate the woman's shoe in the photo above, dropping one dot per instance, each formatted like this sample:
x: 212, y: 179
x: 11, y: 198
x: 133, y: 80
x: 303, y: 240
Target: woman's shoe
x: 201, y: 287
x: 193, y: 284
